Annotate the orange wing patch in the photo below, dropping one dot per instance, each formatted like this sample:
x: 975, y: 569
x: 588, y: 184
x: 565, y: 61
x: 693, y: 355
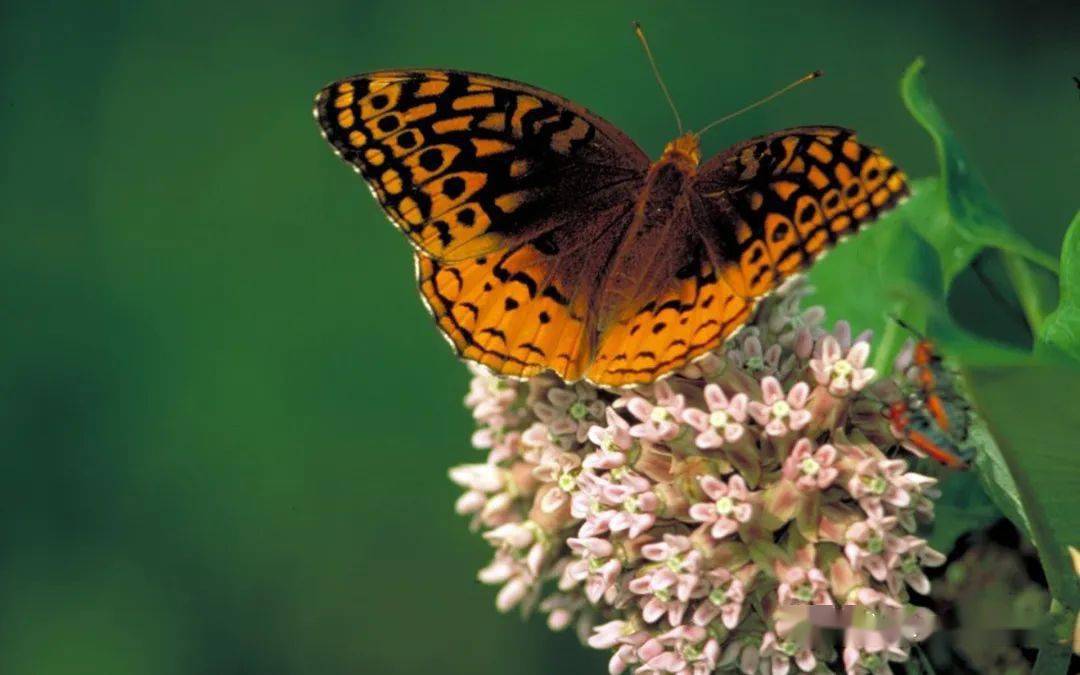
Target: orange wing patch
x: 693, y: 316
x: 508, y: 312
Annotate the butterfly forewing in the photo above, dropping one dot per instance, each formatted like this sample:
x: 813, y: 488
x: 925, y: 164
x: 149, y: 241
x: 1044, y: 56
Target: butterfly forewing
x: 466, y: 164
x: 770, y: 206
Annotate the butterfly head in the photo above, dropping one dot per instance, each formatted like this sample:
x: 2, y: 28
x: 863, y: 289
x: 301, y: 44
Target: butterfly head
x: 684, y: 148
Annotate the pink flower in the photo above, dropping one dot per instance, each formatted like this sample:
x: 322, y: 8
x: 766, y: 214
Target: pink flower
x: 789, y: 325
x: 561, y: 609
x: 868, y: 543
x: 907, y: 559
x: 620, y: 634
x: 923, y: 491
x: 725, y: 599
x: 595, y: 566
x: 491, y: 398
x: 538, y: 439
x: 570, y: 411
x: 607, y: 635
x: 619, y: 498
x: 750, y: 357
x: 560, y: 468
x: 781, y: 653
x: 585, y: 500
x: 512, y: 535
x: 517, y: 578
x: 918, y: 623
x: 612, y: 443
x: 801, y: 583
x: 681, y: 564
x: 880, y: 482
x: 660, y: 422
x: 660, y: 600
x: 780, y: 414
x: 729, y: 507
x: 810, y: 469
x: 636, y: 501
x: 842, y: 373
x: 867, y: 651
x: 724, y: 421
x: 802, y: 343
x: 685, y: 649
x: 668, y: 587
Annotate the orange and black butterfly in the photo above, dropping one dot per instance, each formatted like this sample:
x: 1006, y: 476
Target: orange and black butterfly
x: 936, y: 417
x: 546, y: 239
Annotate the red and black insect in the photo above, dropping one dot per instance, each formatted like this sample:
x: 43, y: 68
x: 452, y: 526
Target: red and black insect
x: 912, y: 429
x: 935, y: 418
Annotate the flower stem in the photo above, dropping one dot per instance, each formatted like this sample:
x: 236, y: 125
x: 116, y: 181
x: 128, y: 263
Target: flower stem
x: 1027, y: 291
x: 886, y: 351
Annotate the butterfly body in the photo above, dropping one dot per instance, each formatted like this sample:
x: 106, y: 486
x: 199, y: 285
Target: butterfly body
x: 660, y: 217
x: 547, y: 240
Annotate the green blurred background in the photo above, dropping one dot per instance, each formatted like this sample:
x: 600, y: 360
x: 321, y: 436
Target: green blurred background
x: 226, y: 418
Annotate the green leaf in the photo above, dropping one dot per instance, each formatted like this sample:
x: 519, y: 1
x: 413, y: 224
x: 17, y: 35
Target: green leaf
x: 1052, y: 660
x: 1032, y: 415
x: 975, y: 351
x: 887, y: 269
x: 970, y: 220
x: 765, y: 554
x: 937, y: 227
x: 963, y: 507
x: 993, y: 473
x: 1061, y: 330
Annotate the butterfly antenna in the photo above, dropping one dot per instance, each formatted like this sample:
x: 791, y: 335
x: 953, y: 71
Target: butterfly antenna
x: 802, y: 80
x: 640, y: 33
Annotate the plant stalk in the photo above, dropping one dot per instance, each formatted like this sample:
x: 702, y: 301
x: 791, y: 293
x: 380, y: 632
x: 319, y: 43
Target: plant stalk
x: 1027, y: 291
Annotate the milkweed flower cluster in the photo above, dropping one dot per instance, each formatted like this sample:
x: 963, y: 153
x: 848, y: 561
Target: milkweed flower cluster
x: 718, y: 520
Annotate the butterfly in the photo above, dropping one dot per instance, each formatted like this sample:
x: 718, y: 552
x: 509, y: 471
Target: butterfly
x: 546, y: 240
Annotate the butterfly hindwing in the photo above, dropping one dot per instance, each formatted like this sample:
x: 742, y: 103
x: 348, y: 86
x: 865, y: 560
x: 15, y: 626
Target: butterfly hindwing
x: 690, y: 315
x: 528, y: 309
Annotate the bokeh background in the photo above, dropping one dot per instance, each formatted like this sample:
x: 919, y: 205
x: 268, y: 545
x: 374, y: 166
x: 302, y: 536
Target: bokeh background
x: 225, y: 418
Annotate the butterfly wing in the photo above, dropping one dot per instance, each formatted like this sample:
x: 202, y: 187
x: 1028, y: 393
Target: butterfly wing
x: 512, y: 196
x: 466, y: 164
x: 754, y: 216
x: 527, y: 309
x: 684, y: 309
x: 774, y: 204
